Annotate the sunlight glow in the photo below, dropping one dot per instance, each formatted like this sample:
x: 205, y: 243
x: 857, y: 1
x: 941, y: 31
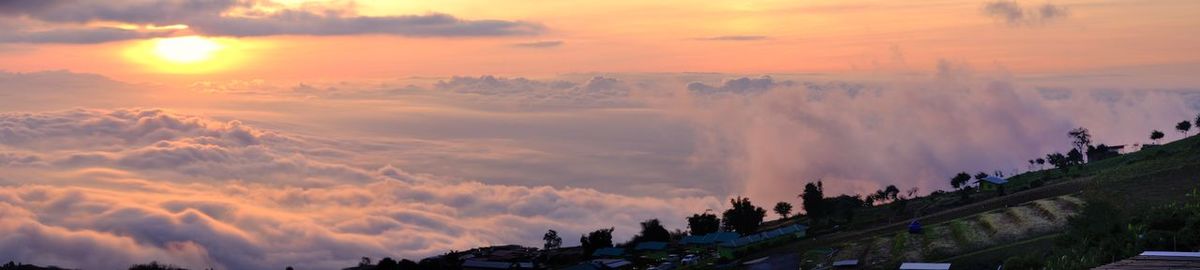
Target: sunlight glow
x: 189, y: 49
x: 188, y: 54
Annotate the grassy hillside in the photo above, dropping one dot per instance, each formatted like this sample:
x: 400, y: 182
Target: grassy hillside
x: 992, y: 229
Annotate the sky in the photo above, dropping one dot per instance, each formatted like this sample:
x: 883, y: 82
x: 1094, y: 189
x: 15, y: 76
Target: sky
x: 251, y: 134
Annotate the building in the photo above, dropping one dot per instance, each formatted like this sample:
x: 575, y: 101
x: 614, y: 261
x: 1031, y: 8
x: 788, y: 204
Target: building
x: 1157, y: 260
x: 611, y: 252
x: 605, y: 264
x: 924, y: 266
x: 845, y: 264
x: 650, y: 246
x: 991, y: 183
x: 485, y: 265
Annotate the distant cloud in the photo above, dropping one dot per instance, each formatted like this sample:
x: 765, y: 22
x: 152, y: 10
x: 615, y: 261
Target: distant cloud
x: 78, y: 35
x: 68, y: 21
x: 1014, y: 14
x: 733, y: 38
x: 540, y: 44
x: 309, y: 23
x: 742, y: 85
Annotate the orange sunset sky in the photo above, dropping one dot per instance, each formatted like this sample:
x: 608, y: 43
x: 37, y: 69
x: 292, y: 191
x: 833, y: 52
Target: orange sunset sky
x: 652, y: 36
x: 254, y: 134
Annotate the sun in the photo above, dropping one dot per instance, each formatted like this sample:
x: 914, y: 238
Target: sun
x: 186, y: 50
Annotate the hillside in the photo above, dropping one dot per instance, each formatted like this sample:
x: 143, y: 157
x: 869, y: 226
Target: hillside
x: 994, y: 228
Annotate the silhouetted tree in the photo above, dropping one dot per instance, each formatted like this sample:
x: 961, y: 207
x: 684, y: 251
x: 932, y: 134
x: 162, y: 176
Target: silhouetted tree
x: 1074, y: 157
x: 387, y: 263
x: 704, y: 223
x: 1058, y: 160
x: 844, y: 206
x: 744, y: 217
x: 1197, y: 120
x: 1183, y: 127
x: 595, y: 240
x: 814, y: 200
x: 960, y: 180
x: 552, y: 240
x: 155, y: 266
x: 892, y: 192
x: 1032, y: 164
x: 783, y: 209
x: 981, y: 176
x: 1081, y: 138
x: 1041, y: 162
x: 407, y: 264
x: 366, y: 261
x: 652, y: 231
x: 1156, y: 135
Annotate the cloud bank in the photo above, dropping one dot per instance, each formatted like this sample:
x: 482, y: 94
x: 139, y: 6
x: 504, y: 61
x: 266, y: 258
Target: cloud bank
x: 1014, y: 14
x: 62, y: 21
x: 102, y: 189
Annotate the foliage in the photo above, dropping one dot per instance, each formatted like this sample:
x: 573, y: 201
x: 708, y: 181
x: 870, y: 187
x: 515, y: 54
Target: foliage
x: 552, y: 239
x: 387, y: 263
x: 652, y: 231
x: 1081, y: 138
x: 744, y: 217
x: 1158, y: 135
x: 814, y: 200
x: 1183, y: 127
x: 597, y: 239
x: 155, y: 266
x: 704, y: 223
x: 960, y: 180
x: 783, y: 209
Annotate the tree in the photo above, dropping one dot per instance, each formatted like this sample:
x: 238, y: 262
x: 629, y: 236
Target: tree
x: 154, y: 265
x: 1183, y: 127
x: 387, y: 263
x: 1041, y: 162
x: 1197, y: 120
x: 597, y: 239
x: 1058, y: 160
x: 1074, y: 157
x: 1082, y: 138
x: 981, y: 176
x: 652, y: 231
x: 704, y: 223
x: 407, y: 264
x: 843, y: 206
x: 1158, y: 135
x: 783, y: 209
x: 552, y: 240
x: 960, y: 180
x: 814, y: 200
x: 744, y: 217
x: 892, y: 192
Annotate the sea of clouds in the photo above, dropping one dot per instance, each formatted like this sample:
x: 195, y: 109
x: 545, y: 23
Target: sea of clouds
x: 101, y: 174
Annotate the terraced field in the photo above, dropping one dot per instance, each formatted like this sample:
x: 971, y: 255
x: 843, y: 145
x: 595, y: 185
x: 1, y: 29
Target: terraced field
x: 942, y: 240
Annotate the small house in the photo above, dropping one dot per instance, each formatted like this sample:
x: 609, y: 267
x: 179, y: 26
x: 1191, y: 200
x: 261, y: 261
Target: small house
x: 991, y: 183
x: 611, y: 252
x: 924, y: 266
x: 845, y: 264
x: 1157, y: 260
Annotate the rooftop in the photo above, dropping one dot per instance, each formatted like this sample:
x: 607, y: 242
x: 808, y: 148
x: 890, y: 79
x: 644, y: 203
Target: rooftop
x: 1157, y: 260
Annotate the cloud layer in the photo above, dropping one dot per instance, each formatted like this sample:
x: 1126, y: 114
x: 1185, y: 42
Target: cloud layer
x: 102, y: 189
x: 1015, y: 14
x: 61, y: 21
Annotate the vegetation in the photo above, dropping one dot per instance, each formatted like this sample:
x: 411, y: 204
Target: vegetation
x: 783, y: 209
x: 652, y: 231
x: 552, y: 240
x: 703, y: 223
x: 743, y: 218
x: 597, y: 239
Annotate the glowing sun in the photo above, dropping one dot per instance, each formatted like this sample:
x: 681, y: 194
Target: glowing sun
x: 186, y: 50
